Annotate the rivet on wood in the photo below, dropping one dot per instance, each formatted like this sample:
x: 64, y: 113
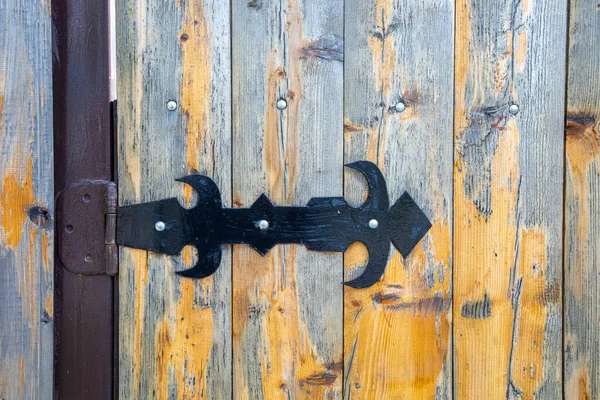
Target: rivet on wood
x: 400, y: 106
x: 281, y: 104
x: 513, y: 109
x: 171, y: 105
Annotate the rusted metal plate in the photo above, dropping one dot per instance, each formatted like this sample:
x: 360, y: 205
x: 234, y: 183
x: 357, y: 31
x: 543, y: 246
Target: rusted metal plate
x: 86, y: 223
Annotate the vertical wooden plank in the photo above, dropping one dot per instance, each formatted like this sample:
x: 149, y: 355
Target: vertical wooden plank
x: 508, y: 198
x: 26, y: 201
x: 287, y: 306
x: 175, y: 333
x: 582, y: 205
x: 398, y: 332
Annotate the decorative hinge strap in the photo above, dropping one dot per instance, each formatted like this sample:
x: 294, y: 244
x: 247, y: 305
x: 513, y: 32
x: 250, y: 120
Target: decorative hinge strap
x: 86, y: 227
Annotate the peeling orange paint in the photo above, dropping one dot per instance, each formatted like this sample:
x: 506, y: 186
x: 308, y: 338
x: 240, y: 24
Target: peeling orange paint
x: 382, y: 46
x: 395, y: 319
x: 196, y: 88
x: 183, y: 345
x: 484, y: 248
x: 290, y: 367
x: 16, y: 197
x: 49, y: 306
x: 527, y: 370
x: 521, y: 50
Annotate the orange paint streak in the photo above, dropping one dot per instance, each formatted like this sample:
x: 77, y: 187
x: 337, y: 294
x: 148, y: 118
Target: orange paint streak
x: 183, y: 343
x: 521, y: 50
x: 16, y: 198
x: 195, y: 88
x: 382, y: 46
x: 290, y: 367
x: 583, y: 153
x: 527, y: 369
x: 388, y: 326
x: 461, y: 60
x: 49, y: 306
x: 485, y: 251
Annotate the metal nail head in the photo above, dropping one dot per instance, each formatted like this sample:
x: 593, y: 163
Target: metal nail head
x: 513, y: 109
x: 171, y: 105
x: 160, y: 226
x: 281, y: 104
x: 373, y: 224
x: 263, y: 225
x: 400, y: 106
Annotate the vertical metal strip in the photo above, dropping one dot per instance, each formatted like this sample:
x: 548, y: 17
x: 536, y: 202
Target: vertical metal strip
x: 82, y: 143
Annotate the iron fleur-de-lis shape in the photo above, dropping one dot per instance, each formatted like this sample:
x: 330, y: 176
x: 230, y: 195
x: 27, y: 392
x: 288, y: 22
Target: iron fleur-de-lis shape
x: 324, y: 224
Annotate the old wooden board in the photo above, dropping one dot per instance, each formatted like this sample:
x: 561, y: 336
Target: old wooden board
x: 175, y: 333
x: 26, y: 201
x: 287, y: 306
x: 397, y: 333
x: 582, y: 205
x: 508, y: 193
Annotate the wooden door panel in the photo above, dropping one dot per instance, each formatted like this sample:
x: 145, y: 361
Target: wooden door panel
x: 508, y: 198
x: 397, y: 333
x: 582, y: 198
x: 26, y: 201
x: 175, y: 333
x: 287, y: 306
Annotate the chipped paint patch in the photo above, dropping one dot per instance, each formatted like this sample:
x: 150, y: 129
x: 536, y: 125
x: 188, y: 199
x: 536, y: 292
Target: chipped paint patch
x: 195, y: 88
x: 395, y: 319
x: 16, y: 197
x: 184, y: 342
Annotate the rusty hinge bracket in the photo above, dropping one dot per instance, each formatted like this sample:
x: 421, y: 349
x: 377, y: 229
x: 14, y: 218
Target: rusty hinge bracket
x: 86, y: 227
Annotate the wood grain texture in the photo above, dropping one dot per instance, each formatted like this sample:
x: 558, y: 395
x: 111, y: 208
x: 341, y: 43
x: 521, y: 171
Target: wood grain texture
x: 508, y: 198
x: 582, y: 204
x: 175, y: 333
x: 287, y: 306
x: 397, y: 333
x: 26, y: 238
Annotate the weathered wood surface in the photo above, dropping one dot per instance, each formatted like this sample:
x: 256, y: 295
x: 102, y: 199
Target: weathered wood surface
x: 582, y: 204
x: 26, y: 238
x: 175, y: 333
x: 397, y: 333
x: 287, y: 306
x: 508, y: 197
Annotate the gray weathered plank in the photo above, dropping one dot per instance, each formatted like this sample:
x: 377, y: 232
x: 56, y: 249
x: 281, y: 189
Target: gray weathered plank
x: 582, y: 204
x: 175, y: 333
x: 508, y: 198
x: 396, y: 51
x: 26, y: 247
x: 287, y: 306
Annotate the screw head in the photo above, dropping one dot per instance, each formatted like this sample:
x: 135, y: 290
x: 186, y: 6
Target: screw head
x: 171, y: 105
x: 160, y: 226
x: 513, y: 109
x: 400, y: 106
x: 263, y: 225
x: 373, y: 224
x: 281, y: 104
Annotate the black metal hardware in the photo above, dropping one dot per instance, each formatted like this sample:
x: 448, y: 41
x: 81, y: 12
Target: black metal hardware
x: 85, y: 227
x: 324, y: 224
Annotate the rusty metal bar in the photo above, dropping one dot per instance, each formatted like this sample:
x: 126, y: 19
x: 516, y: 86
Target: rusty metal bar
x: 85, y: 304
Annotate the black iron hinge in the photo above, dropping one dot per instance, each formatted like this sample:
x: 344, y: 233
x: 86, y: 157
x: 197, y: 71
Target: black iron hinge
x: 86, y: 227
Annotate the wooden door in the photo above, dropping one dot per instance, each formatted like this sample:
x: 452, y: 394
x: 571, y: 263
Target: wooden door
x: 26, y: 201
x: 460, y: 103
